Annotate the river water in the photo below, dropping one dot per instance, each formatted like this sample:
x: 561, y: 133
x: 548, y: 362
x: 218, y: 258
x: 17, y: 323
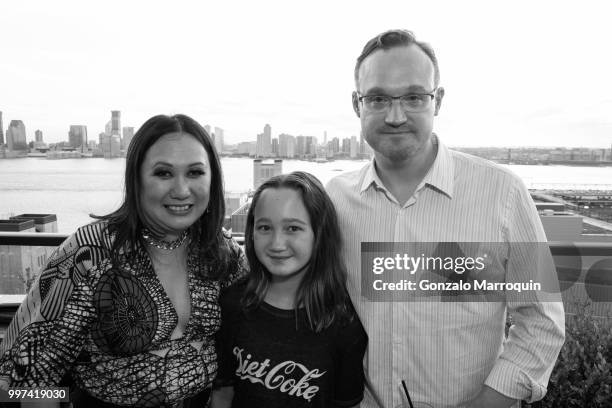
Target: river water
x: 74, y: 188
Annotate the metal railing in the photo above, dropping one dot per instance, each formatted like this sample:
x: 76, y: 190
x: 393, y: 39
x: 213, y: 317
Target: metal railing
x: 580, y: 259
x: 32, y: 238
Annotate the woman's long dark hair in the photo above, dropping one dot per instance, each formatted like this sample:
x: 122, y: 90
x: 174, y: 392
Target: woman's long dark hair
x: 322, y: 291
x: 125, y: 224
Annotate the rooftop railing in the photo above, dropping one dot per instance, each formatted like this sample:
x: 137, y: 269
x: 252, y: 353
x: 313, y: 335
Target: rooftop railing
x: 584, y: 268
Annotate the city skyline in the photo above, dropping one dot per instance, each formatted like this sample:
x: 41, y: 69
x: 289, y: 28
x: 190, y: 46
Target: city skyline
x: 520, y: 74
x: 263, y: 145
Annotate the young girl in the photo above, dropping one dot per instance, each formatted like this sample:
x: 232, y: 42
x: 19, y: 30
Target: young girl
x: 289, y: 336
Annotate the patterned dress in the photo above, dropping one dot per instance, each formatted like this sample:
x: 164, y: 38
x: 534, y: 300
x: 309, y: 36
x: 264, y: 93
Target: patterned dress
x: 109, y: 327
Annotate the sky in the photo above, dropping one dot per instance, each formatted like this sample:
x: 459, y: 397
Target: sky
x: 516, y: 73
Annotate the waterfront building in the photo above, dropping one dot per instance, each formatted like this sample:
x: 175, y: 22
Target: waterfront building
x: 274, y: 147
x: 247, y: 148
x: 115, y: 123
x: 108, y: 128
x: 354, y: 148
x: 286, y: 146
x: 311, y: 146
x: 77, y: 136
x: 300, y: 146
x: 208, y: 130
x: 110, y: 145
x: 218, y: 139
x: 346, y: 146
x: 264, y: 142
x: 19, y: 265
x: 39, y: 144
x: 332, y: 147
x: 16, y: 136
x: 1, y: 130
x: 362, y: 144
x: 263, y: 171
x: 128, y: 134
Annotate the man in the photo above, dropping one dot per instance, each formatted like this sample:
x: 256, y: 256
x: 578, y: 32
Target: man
x: 447, y: 354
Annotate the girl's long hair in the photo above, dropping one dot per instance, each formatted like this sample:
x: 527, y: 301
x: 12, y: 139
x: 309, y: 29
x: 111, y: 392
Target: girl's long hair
x: 125, y: 224
x: 322, y: 292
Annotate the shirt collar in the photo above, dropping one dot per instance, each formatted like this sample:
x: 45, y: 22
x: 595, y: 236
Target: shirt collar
x: 440, y: 176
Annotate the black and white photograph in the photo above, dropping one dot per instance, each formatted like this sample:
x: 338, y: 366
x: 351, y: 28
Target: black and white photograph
x: 270, y: 204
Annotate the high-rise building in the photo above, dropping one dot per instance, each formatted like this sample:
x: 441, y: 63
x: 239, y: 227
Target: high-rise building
x: 354, y: 147
x: 115, y: 123
x: 77, y: 136
x: 362, y: 143
x: 274, y: 146
x: 110, y: 145
x: 128, y: 134
x: 311, y: 146
x: 108, y: 128
x: 286, y: 145
x: 346, y: 146
x: 300, y: 146
x: 218, y: 139
x: 333, y: 147
x: 38, y: 135
x: 16, y: 136
x: 1, y: 130
x: 208, y: 129
x: 264, y: 142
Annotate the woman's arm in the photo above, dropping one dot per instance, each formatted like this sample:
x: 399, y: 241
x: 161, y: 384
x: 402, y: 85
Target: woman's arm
x: 47, y: 332
x: 239, y: 266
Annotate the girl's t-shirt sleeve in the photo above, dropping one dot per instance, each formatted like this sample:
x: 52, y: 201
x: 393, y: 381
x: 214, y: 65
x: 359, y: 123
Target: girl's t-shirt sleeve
x: 48, y: 330
x: 352, y: 341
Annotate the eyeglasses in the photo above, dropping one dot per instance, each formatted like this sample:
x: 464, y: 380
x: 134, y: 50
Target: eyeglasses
x: 412, y: 102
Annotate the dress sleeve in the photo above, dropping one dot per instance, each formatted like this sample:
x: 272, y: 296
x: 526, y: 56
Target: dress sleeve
x: 350, y: 348
x: 523, y: 369
x: 239, y: 265
x: 48, y: 330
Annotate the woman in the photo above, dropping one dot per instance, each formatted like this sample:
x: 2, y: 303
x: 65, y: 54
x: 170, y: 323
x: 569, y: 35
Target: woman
x: 128, y: 306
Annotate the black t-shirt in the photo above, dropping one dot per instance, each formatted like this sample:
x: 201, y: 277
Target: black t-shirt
x: 273, y: 358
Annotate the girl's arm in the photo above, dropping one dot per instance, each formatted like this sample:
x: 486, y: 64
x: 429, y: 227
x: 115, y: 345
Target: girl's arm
x: 222, y: 397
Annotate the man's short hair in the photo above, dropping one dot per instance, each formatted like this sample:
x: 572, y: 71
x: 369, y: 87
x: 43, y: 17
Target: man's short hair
x: 396, y: 38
